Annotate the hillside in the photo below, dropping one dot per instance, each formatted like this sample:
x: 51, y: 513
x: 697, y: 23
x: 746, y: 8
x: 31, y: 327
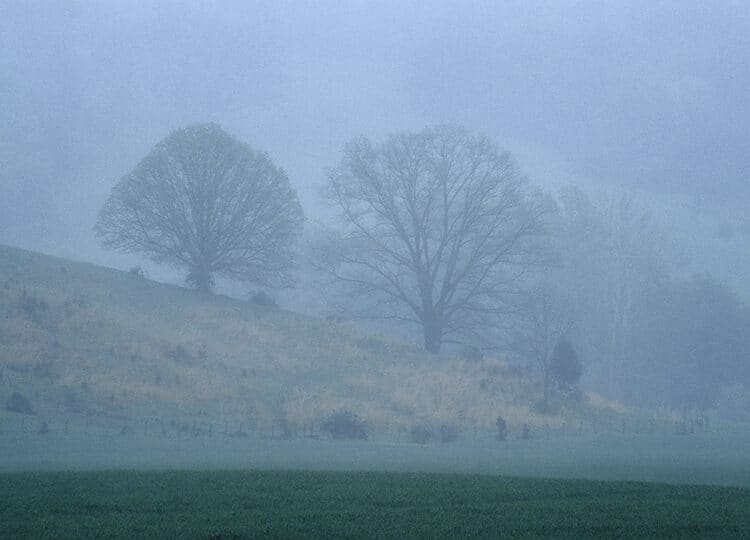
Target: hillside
x: 85, y: 341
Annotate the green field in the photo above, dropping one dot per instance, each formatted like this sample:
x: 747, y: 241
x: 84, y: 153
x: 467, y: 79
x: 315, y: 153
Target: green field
x: 247, y: 504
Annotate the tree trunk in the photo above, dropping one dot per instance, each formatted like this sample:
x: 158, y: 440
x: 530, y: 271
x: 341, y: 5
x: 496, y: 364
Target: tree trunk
x: 200, y: 278
x: 432, y: 336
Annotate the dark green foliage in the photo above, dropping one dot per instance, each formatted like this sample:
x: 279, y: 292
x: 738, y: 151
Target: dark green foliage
x: 565, y: 367
x: 345, y: 425
x: 18, y: 403
x: 502, y: 428
x: 262, y: 298
x: 248, y: 504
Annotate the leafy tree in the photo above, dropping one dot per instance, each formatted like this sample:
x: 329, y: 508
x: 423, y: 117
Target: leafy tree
x: 205, y: 202
x: 438, y: 226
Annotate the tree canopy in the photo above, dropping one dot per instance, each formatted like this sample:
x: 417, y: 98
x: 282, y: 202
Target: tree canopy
x: 437, y: 226
x: 203, y: 201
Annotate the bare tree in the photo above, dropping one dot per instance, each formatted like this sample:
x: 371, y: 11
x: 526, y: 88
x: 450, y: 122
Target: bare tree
x: 614, y: 256
x: 205, y: 202
x: 437, y: 226
x: 542, y: 319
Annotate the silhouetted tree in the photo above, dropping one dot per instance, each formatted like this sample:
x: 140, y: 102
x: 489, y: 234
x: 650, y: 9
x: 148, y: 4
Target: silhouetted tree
x: 205, y: 202
x: 565, y: 367
x: 438, y: 226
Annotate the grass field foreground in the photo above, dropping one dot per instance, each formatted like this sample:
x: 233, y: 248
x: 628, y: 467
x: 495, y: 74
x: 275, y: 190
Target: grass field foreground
x: 247, y: 504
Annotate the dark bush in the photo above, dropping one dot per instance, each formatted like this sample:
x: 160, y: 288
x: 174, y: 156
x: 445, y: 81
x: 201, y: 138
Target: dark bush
x: 525, y: 432
x: 43, y: 429
x: 345, y: 425
x: 33, y: 307
x: 420, y: 434
x: 565, y: 367
x: 18, y: 403
x: 262, y: 298
x: 502, y: 428
x: 138, y: 272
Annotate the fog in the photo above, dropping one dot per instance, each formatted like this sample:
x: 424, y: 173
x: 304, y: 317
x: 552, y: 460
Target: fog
x: 627, y: 119
x: 646, y: 96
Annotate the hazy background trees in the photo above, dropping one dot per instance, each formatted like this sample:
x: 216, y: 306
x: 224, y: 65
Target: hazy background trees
x: 205, y: 202
x: 691, y: 342
x: 437, y: 226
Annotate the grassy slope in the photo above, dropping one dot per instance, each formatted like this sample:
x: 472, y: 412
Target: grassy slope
x: 359, y: 505
x: 81, y: 339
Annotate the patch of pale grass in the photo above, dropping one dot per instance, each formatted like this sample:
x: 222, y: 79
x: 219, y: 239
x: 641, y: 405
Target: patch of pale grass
x: 600, y: 402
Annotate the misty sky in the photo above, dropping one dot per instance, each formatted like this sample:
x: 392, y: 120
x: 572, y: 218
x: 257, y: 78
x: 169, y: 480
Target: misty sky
x: 645, y: 95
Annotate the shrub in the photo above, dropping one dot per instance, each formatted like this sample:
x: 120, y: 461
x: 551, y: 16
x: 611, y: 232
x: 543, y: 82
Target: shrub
x: 18, y: 403
x: 525, y: 432
x: 420, y: 434
x: 565, y: 367
x: 33, y: 307
x: 43, y: 429
x: 502, y: 428
x: 262, y: 298
x: 138, y: 272
x: 345, y: 425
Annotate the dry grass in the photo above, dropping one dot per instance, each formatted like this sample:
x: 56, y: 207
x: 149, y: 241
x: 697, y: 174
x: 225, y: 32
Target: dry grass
x: 132, y: 346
